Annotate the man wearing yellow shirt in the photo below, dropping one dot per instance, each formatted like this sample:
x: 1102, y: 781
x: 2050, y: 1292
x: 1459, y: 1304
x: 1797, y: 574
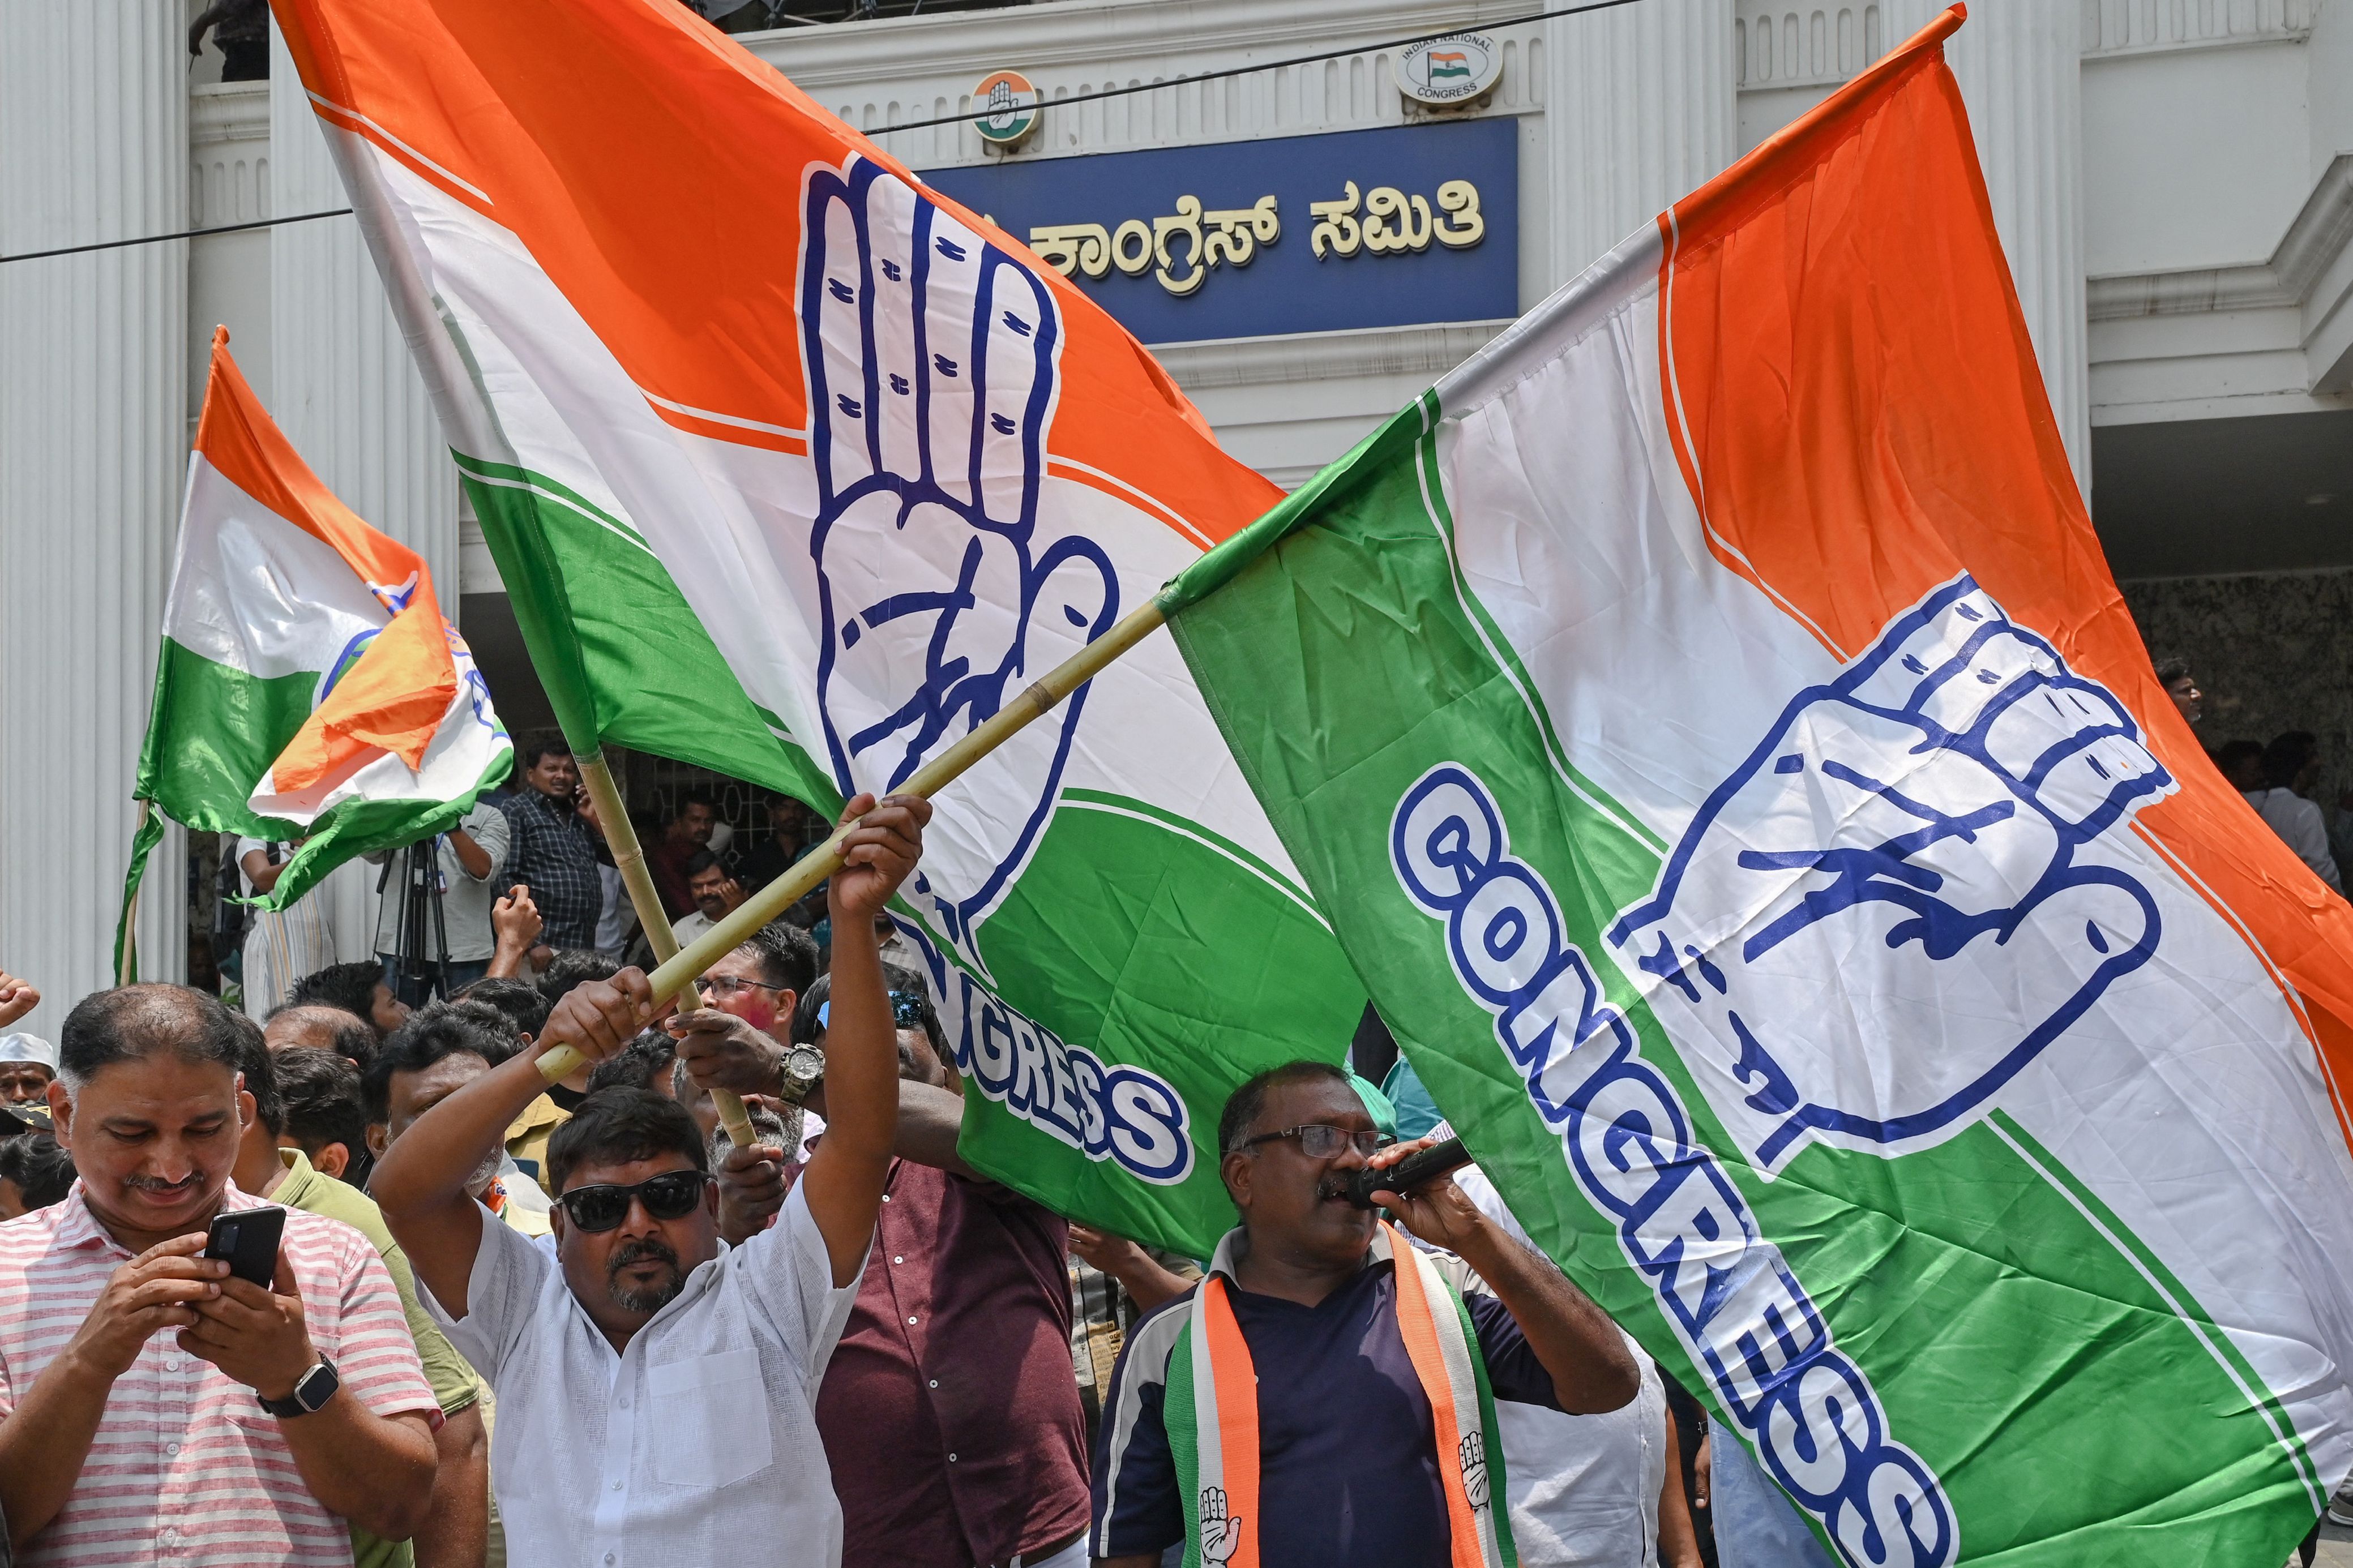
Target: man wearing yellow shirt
x: 455, y: 1531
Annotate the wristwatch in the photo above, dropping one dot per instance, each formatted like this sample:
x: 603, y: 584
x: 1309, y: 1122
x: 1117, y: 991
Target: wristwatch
x: 312, y: 1392
x: 804, y: 1068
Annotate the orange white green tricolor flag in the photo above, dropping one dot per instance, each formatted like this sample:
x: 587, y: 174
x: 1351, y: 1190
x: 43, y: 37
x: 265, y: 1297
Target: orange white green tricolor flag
x: 1711, y: 728
x: 797, y: 470
x: 308, y: 685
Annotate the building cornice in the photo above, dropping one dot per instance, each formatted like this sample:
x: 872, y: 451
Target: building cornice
x: 1064, y: 34
x: 228, y: 112
x: 2315, y: 240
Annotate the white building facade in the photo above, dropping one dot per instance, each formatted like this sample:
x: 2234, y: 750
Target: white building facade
x: 2173, y: 180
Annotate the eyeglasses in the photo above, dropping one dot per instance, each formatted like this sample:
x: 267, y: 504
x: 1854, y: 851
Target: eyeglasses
x: 671, y: 1195
x: 1320, y: 1142
x: 907, y: 1011
x: 729, y: 985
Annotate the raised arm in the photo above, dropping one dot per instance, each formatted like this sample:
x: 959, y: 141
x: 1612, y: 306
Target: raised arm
x: 843, y: 1183
x: 516, y: 922
x: 259, y: 871
x: 1579, y: 1345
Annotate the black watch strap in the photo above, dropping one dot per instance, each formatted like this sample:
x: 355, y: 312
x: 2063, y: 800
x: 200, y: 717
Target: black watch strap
x: 311, y: 1391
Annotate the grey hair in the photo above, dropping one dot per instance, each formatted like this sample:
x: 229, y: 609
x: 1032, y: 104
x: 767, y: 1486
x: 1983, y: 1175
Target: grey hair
x: 132, y: 1022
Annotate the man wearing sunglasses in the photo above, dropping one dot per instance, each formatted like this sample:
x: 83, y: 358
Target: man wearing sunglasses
x: 655, y: 1386
x: 1347, y: 1467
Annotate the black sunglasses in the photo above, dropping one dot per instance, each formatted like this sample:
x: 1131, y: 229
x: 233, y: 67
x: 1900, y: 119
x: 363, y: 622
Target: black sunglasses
x: 671, y: 1195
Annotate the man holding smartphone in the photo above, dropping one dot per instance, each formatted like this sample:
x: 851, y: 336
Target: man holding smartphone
x: 151, y: 1406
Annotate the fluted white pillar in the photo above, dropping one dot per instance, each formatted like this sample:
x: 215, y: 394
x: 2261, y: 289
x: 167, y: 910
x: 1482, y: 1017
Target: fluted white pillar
x: 346, y: 393
x: 1639, y: 110
x: 2019, y: 65
x: 93, y: 450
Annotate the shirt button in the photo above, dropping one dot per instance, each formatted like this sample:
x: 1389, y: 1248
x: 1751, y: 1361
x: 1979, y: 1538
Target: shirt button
x: 886, y: 1197
x: 894, y: 1260
x: 170, y: 1538
x: 609, y: 1558
x: 625, y: 1405
x: 935, y: 1382
x: 617, y: 1486
x: 171, y: 1366
x: 171, y: 1448
x: 952, y: 1458
x: 910, y: 1323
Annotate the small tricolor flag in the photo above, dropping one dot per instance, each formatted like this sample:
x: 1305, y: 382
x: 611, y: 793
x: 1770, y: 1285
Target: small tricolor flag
x: 308, y: 685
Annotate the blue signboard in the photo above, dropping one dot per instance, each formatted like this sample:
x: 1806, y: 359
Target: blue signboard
x: 1299, y: 233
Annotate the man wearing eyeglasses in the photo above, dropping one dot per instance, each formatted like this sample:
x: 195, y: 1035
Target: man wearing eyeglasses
x: 1347, y: 1468
x: 655, y: 1386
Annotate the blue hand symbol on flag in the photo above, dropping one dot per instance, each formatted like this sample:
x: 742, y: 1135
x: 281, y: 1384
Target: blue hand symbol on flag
x: 1920, y: 879
x: 931, y: 355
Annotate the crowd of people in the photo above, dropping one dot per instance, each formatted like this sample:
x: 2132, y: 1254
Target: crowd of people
x: 573, y: 1323
x: 2279, y: 778
x: 520, y: 1321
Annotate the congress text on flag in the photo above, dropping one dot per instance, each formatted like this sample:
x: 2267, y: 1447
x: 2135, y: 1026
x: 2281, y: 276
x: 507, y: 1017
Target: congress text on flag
x: 1709, y: 726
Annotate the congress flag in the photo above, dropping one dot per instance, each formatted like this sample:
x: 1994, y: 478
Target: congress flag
x: 1709, y: 724
x: 797, y: 470
x: 308, y: 685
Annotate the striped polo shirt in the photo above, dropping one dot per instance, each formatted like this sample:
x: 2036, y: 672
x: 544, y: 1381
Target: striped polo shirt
x: 186, y: 1470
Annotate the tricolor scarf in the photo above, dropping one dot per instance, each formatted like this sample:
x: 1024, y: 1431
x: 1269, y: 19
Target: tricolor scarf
x: 1212, y: 1421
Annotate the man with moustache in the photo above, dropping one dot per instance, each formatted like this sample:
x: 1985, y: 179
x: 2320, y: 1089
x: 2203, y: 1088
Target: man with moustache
x: 270, y: 1416
x: 654, y: 1384
x: 1299, y: 1335
x: 444, y: 1048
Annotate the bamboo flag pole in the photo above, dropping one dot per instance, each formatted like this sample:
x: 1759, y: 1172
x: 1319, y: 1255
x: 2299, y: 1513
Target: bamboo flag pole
x: 630, y: 860
x: 823, y: 862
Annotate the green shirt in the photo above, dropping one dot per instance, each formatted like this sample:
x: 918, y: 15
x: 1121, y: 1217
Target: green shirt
x: 453, y: 1380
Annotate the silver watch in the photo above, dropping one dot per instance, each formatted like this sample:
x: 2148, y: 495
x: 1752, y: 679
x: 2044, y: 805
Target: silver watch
x: 804, y: 1067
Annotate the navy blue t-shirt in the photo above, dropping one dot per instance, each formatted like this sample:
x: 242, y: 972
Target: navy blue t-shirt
x: 1347, y: 1467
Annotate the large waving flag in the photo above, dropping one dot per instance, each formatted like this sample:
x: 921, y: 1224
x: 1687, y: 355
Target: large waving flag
x: 1709, y: 724
x: 796, y: 469
x: 308, y: 685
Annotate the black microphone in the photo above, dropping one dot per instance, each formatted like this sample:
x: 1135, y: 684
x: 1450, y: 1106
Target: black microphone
x: 1407, y: 1173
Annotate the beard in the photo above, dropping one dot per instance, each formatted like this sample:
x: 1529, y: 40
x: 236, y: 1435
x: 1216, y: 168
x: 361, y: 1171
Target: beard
x: 783, y: 1132
x: 647, y: 1298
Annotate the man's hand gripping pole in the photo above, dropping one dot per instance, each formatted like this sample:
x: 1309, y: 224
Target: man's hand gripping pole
x: 679, y: 968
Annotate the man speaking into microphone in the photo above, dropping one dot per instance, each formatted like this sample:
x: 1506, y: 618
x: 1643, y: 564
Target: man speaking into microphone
x: 1323, y: 1396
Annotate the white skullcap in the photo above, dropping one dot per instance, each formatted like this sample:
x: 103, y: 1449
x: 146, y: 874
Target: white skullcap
x: 28, y: 1048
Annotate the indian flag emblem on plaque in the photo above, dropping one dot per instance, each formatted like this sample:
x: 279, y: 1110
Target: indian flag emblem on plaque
x: 1452, y: 70
x: 1008, y: 109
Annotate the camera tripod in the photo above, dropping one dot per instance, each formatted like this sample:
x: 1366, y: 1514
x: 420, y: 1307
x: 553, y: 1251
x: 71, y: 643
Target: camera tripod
x: 415, y: 978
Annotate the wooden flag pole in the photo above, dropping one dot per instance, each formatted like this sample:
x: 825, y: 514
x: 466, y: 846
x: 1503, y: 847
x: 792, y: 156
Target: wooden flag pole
x: 630, y: 860
x: 672, y: 978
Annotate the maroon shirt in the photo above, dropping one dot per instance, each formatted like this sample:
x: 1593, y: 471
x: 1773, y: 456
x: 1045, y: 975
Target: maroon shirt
x: 949, y: 1411
x: 667, y: 861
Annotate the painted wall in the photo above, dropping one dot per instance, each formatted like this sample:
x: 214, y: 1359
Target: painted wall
x: 2192, y: 157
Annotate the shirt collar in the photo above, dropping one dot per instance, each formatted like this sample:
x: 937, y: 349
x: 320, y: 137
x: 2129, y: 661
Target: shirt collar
x: 79, y: 1226
x: 1231, y: 1245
